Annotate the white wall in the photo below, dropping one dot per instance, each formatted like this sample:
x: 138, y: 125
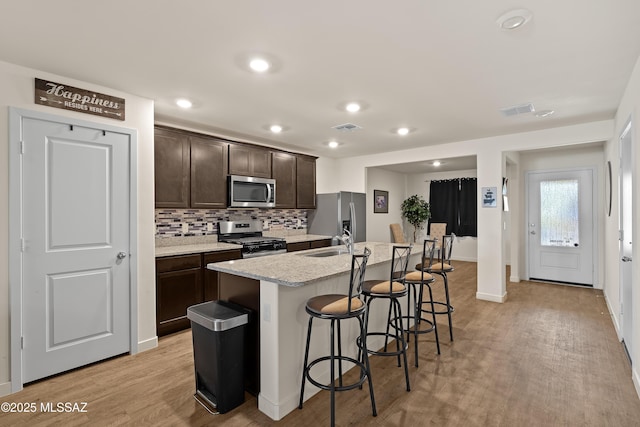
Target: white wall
x: 491, y: 169
x: 629, y: 108
x: 572, y: 157
x: 378, y: 223
x: 327, y: 179
x: 16, y: 90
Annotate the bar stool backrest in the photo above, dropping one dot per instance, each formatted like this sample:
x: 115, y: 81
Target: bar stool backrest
x: 358, y: 270
x: 399, y: 262
x: 428, y: 253
x: 447, y: 247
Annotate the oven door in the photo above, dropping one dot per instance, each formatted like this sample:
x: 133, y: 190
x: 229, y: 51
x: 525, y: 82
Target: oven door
x: 264, y: 253
x: 250, y: 192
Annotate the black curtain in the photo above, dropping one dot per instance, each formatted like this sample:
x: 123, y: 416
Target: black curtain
x: 468, y: 205
x: 443, y: 202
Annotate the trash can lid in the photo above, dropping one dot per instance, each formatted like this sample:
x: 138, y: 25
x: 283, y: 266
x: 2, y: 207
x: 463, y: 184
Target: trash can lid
x: 216, y: 316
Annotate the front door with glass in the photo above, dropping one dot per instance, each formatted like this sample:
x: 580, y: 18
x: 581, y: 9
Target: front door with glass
x: 561, y: 233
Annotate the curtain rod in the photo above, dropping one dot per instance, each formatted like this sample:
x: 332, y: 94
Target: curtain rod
x: 451, y: 179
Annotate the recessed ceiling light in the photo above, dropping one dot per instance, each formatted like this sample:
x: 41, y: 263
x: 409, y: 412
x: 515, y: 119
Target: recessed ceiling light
x: 514, y: 19
x: 333, y: 144
x: 544, y: 113
x: 353, y: 107
x: 184, y: 103
x: 259, y: 65
x: 402, y: 131
x: 275, y: 128
x: 436, y: 163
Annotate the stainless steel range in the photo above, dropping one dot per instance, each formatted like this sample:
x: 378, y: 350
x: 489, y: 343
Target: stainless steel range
x: 249, y: 235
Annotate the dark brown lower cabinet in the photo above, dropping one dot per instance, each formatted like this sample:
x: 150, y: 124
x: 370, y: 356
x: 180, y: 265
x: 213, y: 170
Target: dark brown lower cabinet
x: 246, y: 292
x: 178, y: 286
x: 313, y: 244
x: 182, y: 281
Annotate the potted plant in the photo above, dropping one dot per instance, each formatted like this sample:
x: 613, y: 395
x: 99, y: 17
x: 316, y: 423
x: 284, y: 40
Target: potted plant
x: 416, y: 211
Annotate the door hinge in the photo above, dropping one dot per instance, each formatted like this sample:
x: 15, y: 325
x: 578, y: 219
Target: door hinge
x: 621, y: 235
x: 22, y: 343
x: 21, y: 147
x: 22, y: 245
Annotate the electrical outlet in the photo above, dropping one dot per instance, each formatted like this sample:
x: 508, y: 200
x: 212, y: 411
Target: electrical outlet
x: 185, y: 228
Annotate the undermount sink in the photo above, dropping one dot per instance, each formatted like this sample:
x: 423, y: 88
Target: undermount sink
x: 331, y: 252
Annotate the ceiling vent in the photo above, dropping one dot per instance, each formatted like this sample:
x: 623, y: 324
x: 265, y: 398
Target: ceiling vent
x: 347, y: 127
x: 518, y: 109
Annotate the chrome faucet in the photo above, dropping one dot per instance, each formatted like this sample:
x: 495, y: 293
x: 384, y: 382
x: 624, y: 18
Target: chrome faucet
x: 347, y: 240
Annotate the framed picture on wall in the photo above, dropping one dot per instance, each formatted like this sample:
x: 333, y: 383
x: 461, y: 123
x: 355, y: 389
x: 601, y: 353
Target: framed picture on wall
x: 380, y: 201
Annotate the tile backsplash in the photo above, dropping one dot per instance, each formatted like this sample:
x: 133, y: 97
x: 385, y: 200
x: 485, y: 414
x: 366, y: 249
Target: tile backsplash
x: 204, y: 222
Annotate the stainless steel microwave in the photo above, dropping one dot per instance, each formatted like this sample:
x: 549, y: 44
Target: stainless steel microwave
x: 251, y: 192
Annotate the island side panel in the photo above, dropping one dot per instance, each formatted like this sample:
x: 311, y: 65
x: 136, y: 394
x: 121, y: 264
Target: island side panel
x: 283, y: 339
x: 246, y: 292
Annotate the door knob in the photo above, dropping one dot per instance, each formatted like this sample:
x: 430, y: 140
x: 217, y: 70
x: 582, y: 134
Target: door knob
x: 626, y: 259
x: 122, y: 255
x: 533, y: 232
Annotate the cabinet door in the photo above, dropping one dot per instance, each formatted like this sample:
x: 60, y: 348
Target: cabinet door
x: 320, y: 243
x: 208, y: 173
x: 171, y: 158
x: 178, y: 286
x: 284, y: 172
x: 249, y: 161
x: 211, y: 276
x: 305, y: 182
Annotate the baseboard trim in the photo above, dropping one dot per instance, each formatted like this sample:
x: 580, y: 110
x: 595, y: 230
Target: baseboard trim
x: 491, y: 297
x: 466, y: 259
x: 614, y: 319
x: 514, y: 279
x: 636, y: 381
x: 5, y: 389
x: 147, y: 344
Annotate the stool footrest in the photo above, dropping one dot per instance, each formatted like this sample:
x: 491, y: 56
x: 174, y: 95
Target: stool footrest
x: 447, y: 310
x: 402, y: 349
x: 431, y: 328
x: 361, y: 380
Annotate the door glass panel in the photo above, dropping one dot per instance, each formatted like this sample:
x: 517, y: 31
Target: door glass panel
x: 559, y: 212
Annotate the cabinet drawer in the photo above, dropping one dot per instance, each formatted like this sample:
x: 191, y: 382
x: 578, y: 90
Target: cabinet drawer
x: 180, y: 262
x: 299, y: 246
x: 320, y: 243
x: 219, y: 256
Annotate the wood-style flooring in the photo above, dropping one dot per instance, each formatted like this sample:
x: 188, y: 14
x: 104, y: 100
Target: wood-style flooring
x: 549, y: 356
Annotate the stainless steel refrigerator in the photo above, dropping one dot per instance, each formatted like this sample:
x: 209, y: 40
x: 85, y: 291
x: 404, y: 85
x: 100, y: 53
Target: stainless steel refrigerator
x: 333, y: 214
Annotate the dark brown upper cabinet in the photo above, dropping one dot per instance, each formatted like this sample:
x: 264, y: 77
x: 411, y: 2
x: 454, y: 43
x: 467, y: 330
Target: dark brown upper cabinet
x: 305, y: 182
x: 171, y: 169
x: 249, y: 160
x: 284, y: 172
x: 208, y: 173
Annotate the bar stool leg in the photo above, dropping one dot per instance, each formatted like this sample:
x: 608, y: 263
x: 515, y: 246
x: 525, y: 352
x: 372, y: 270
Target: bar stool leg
x: 397, y: 309
x: 446, y: 291
x: 365, y: 360
x: 306, y: 360
x: 433, y: 314
x: 332, y: 370
x: 339, y: 354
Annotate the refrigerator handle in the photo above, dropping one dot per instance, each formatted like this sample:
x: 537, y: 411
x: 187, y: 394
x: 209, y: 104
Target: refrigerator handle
x: 352, y: 214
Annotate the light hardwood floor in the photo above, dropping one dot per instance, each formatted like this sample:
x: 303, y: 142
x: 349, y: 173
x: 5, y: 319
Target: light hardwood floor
x: 547, y: 357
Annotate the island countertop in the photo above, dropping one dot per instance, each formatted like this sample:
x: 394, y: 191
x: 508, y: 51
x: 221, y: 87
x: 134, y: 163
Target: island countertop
x: 299, y: 269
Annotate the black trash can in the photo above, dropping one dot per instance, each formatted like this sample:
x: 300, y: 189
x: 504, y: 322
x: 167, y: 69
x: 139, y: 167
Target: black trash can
x: 218, y: 352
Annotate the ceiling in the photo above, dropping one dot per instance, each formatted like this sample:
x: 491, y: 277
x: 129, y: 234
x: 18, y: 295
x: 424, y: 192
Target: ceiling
x: 443, y: 69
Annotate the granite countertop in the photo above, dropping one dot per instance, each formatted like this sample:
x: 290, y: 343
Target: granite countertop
x: 193, y: 245
x: 194, y: 248
x: 298, y: 269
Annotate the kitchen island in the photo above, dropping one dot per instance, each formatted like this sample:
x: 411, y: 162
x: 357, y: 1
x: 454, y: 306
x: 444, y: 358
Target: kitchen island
x: 276, y: 289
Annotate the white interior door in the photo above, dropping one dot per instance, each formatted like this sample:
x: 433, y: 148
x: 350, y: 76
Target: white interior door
x: 75, y: 217
x: 626, y: 231
x: 560, y: 227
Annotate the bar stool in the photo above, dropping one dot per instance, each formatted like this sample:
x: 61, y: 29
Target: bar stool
x: 441, y: 268
x: 418, y: 279
x: 391, y: 289
x: 337, y: 307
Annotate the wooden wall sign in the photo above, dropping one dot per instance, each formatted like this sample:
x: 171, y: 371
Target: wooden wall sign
x: 58, y: 95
